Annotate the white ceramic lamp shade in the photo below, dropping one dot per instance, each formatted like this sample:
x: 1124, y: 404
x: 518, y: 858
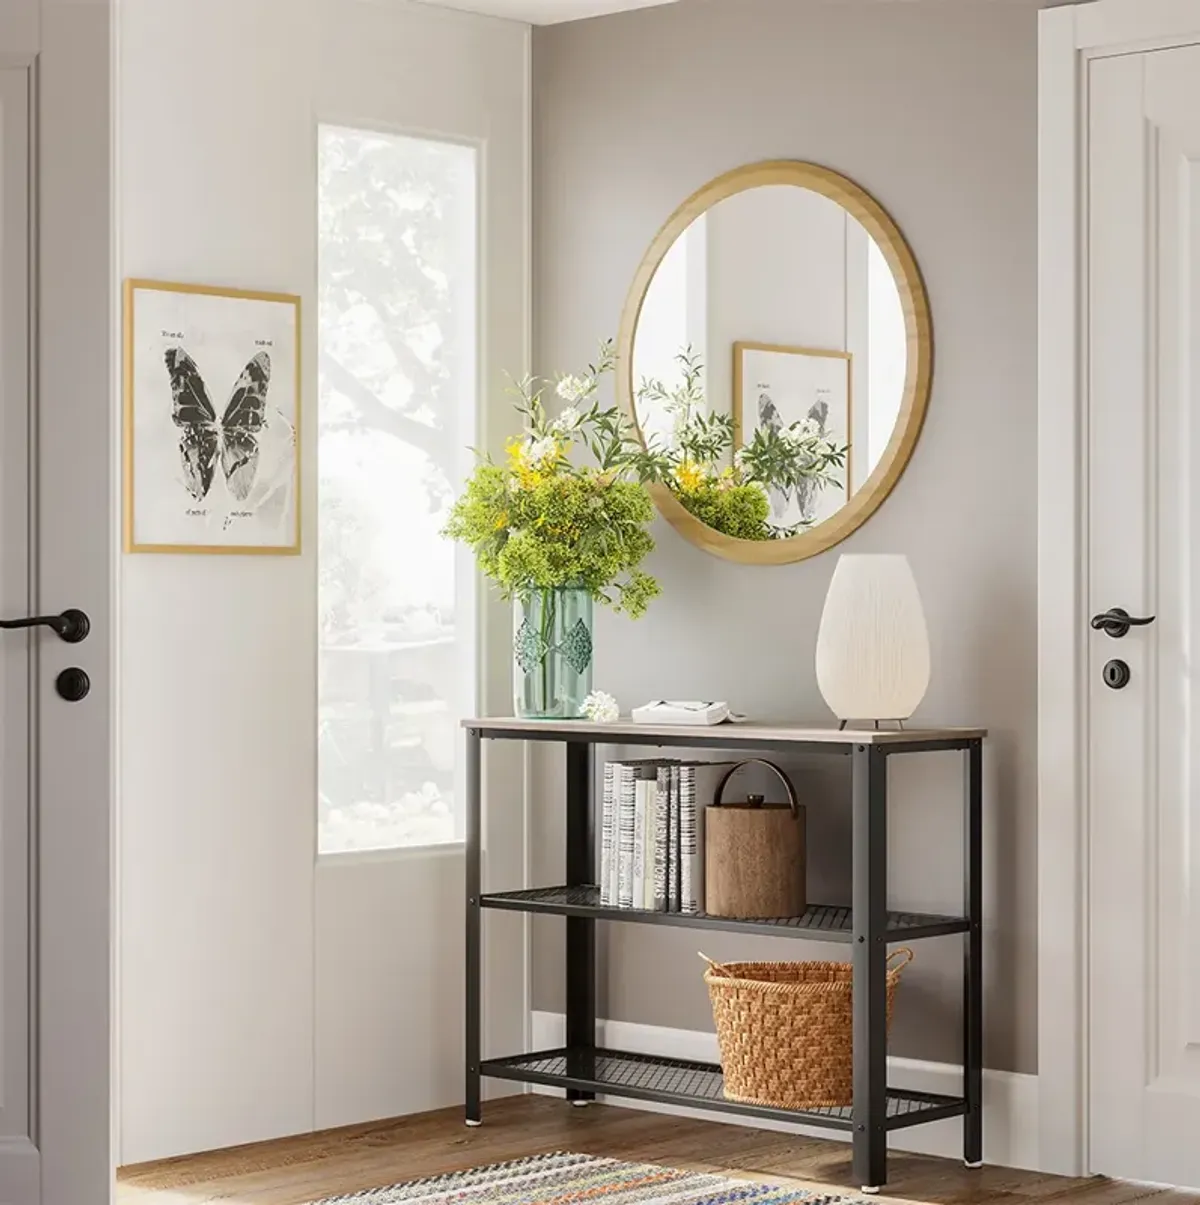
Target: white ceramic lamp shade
x: 873, y: 646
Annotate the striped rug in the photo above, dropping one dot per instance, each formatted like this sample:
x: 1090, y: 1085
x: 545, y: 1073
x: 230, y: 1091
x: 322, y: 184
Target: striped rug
x: 585, y: 1180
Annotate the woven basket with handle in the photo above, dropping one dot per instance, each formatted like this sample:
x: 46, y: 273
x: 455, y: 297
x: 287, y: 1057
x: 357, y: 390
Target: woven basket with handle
x: 786, y: 1029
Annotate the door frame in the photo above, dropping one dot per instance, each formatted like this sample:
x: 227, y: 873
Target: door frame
x: 1069, y: 38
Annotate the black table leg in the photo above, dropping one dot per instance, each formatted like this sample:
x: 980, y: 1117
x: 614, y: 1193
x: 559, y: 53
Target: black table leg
x: 581, y: 933
x: 973, y: 959
x: 474, y: 967
x: 869, y: 789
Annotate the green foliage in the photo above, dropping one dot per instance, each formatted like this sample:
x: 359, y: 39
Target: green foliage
x: 724, y: 486
x: 540, y: 520
x: 737, y: 510
x: 789, y: 457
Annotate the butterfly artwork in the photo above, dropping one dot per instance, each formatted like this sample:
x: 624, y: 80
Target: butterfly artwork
x: 212, y: 408
x: 231, y: 440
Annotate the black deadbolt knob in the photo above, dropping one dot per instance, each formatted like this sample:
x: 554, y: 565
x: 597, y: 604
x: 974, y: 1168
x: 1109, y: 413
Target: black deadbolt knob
x: 1117, y: 675
x: 73, y: 684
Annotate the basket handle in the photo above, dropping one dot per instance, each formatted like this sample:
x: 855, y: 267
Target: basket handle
x: 756, y: 800
x: 719, y: 967
x: 904, y: 952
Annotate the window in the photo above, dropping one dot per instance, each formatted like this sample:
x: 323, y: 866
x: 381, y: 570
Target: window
x: 397, y: 291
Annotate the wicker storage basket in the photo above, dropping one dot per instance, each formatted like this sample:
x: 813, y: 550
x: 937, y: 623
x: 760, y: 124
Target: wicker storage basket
x: 786, y: 1030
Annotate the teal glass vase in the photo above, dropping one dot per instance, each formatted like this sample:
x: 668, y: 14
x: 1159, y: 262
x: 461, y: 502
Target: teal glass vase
x: 552, y: 653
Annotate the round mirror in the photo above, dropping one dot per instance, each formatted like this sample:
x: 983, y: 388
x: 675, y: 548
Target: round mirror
x: 775, y: 355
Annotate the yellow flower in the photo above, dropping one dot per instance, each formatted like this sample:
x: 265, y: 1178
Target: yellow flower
x: 502, y: 521
x: 515, y: 448
x: 690, y: 476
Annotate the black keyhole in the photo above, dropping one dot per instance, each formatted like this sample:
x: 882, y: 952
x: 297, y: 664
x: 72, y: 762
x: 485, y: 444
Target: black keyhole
x: 1117, y: 675
x: 73, y: 684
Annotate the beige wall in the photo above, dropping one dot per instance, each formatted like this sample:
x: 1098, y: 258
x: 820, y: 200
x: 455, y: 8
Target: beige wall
x: 931, y: 107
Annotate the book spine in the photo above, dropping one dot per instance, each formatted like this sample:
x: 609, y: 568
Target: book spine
x: 651, y: 785
x: 614, y: 868
x: 606, y: 836
x: 625, y: 820
x: 689, y: 844
x: 673, y: 866
x: 662, y: 836
x: 700, y: 859
x: 638, y: 894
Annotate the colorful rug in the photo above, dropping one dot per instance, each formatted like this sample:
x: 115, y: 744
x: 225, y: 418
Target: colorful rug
x: 584, y: 1180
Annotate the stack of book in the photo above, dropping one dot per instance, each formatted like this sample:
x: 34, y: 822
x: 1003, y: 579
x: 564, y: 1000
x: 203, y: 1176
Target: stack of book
x: 652, y: 847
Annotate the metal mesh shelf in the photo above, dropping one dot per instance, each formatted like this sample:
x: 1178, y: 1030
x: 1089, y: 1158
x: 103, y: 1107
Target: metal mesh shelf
x: 700, y: 1085
x: 819, y: 923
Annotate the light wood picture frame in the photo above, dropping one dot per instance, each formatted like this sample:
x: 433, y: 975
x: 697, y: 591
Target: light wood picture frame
x: 212, y: 409
x: 786, y: 385
x: 918, y: 338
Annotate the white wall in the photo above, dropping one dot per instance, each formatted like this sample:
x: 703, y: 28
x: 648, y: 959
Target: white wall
x: 261, y: 994
x: 776, y: 274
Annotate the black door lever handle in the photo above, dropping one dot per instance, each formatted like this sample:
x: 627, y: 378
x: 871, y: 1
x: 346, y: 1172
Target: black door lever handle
x: 72, y: 625
x: 1117, y: 622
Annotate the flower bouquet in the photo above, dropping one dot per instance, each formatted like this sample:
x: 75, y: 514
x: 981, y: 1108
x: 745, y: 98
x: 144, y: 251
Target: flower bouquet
x: 557, y: 535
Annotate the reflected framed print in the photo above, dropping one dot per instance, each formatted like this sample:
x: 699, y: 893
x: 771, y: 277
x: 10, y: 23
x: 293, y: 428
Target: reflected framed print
x: 775, y: 387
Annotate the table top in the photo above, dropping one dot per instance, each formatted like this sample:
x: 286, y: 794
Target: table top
x: 740, y: 733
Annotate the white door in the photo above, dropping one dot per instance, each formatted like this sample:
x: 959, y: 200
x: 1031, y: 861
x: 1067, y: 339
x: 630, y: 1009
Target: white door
x: 55, y: 553
x: 1142, y: 183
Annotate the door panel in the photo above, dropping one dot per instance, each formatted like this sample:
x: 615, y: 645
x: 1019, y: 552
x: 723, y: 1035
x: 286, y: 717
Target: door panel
x: 70, y: 456
x: 18, y: 1155
x: 1144, y: 520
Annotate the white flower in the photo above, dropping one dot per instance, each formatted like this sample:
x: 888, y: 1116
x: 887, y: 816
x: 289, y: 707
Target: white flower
x: 739, y: 459
x: 601, y: 708
x: 567, y: 421
x: 573, y: 389
x: 538, y: 451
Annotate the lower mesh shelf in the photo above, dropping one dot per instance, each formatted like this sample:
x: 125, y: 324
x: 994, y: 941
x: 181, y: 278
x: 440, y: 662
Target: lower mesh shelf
x: 700, y: 1085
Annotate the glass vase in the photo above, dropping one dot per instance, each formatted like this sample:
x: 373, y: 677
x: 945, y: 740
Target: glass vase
x: 552, y: 653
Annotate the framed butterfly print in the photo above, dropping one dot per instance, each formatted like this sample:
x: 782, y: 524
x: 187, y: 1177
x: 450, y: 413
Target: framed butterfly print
x: 212, y: 420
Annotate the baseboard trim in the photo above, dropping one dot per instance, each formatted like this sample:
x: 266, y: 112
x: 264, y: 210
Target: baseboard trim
x: 1010, y: 1100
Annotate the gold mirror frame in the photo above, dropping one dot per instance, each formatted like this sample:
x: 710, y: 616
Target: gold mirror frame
x: 919, y: 375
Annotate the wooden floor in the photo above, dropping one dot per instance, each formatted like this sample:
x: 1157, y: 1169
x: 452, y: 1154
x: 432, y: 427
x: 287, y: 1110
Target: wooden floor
x: 300, y: 1170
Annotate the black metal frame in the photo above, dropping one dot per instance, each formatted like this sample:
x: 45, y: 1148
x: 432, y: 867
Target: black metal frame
x: 583, y: 1070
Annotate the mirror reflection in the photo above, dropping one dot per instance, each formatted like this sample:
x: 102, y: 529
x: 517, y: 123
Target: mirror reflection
x: 769, y: 362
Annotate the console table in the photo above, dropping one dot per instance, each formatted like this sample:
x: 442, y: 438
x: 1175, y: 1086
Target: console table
x: 583, y: 1069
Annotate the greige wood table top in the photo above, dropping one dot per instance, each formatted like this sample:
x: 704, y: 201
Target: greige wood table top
x: 748, y: 733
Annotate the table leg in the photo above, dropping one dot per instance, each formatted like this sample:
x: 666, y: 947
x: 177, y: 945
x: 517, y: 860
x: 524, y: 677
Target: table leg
x: 869, y: 790
x: 474, y: 967
x: 973, y: 959
x: 581, y: 933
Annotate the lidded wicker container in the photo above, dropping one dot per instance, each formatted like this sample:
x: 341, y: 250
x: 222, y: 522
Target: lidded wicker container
x: 786, y: 1030
x: 754, y: 853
